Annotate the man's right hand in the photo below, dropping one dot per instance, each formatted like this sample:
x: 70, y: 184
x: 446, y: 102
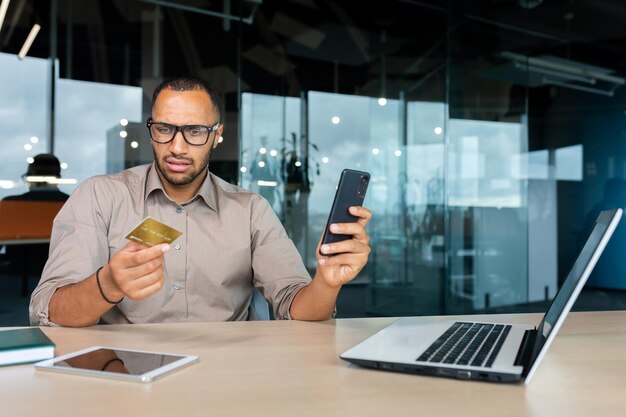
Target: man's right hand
x: 135, y: 272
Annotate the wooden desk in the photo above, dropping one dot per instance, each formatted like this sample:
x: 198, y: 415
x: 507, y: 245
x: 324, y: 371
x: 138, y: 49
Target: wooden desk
x: 292, y: 369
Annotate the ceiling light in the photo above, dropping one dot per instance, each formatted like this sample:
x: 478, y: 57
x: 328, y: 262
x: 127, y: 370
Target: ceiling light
x: 28, y: 147
x: 124, y: 122
x: 123, y: 133
x: 261, y: 164
x: 243, y: 169
x: 382, y: 101
x: 30, y: 159
x: 3, y: 10
x: 398, y: 153
x: 263, y: 151
x: 7, y: 184
x: 273, y: 152
x: 552, y: 70
x: 29, y: 41
x: 134, y: 144
x: 438, y: 130
x: 34, y: 139
x: 325, y: 160
x: 63, y: 165
x: 50, y: 179
x: 335, y: 120
x: 375, y: 151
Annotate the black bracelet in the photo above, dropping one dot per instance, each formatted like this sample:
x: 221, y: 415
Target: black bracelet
x: 102, y: 292
x: 110, y: 362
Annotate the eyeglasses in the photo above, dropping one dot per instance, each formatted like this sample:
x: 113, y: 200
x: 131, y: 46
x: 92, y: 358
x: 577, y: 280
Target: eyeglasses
x: 196, y: 135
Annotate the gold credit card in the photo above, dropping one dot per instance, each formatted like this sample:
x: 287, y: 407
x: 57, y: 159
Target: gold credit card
x: 151, y: 232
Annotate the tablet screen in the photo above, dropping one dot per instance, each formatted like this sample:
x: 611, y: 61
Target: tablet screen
x: 118, y: 361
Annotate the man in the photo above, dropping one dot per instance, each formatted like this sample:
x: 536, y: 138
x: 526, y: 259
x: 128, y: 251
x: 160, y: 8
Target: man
x: 232, y: 240
x: 29, y: 259
x: 43, y: 165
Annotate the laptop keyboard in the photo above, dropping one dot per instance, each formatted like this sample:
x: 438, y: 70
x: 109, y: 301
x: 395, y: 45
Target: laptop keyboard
x: 474, y: 344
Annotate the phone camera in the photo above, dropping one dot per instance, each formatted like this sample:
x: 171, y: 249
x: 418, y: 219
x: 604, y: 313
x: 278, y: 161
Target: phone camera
x: 362, y: 187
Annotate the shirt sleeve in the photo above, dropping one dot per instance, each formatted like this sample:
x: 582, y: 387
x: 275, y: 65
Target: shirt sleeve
x: 279, y: 272
x: 78, y: 246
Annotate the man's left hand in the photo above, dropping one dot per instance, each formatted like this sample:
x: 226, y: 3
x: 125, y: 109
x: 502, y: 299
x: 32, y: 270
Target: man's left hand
x: 349, y: 256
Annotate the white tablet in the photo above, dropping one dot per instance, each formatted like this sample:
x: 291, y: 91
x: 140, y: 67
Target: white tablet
x: 130, y: 365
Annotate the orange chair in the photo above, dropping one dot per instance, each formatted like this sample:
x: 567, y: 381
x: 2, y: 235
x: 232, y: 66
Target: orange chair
x: 29, y: 225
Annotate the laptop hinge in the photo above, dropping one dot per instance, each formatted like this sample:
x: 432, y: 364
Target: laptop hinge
x: 526, y: 349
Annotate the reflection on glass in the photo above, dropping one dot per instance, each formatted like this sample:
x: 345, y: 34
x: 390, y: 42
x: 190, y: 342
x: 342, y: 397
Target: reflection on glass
x: 464, y: 215
x: 569, y: 163
x: 24, y: 115
x: 486, y: 200
x: 84, y: 121
x: 404, y: 274
x: 119, y: 361
x: 480, y: 159
x: 532, y: 165
x: 262, y: 130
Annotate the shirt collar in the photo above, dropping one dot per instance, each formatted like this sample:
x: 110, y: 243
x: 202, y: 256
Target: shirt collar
x: 206, y: 190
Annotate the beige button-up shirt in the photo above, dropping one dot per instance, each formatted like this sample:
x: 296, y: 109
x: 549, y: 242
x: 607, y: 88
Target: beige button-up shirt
x: 232, y: 241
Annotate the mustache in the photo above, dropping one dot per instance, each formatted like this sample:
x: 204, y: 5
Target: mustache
x: 178, y: 158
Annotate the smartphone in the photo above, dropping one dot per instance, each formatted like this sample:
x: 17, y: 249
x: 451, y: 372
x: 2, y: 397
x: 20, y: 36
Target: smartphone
x: 350, y: 192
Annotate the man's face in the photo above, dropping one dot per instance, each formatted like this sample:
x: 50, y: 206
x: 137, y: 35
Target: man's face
x: 180, y: 163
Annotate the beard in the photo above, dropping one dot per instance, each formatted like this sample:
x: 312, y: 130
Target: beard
x: 160, y: 164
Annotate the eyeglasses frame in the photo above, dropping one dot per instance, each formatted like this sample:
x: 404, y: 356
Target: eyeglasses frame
x: 180, y: 129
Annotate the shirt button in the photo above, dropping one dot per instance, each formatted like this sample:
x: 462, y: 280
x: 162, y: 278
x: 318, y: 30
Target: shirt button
x: 176, y: 286
x: 177, y: 246
x: 178, y: 209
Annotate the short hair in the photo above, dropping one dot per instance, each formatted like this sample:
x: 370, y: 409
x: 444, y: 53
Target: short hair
x: 190, y: 84
x: 44, y: 164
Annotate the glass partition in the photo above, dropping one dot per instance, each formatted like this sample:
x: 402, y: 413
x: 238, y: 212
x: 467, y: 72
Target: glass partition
x: 493, y: 131
x: 107, y: 133
x: 487, y: 212
x: 24, y: 111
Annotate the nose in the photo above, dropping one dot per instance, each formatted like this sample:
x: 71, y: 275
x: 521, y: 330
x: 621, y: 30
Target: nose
x: 178, y: 146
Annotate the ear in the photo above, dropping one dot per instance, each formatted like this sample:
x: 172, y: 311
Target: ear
x: 218, y: 135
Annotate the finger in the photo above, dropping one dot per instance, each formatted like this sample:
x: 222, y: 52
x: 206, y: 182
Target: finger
x: 362, y: 213
x: 317, y: 249
x: 357, y: 230
x: 346, y: 246
x: 133, y: 247
x: 143, y: 256
x: 138, y: 284
x: 147, y: 291
x: 350, y: 260
x: 145, y: 268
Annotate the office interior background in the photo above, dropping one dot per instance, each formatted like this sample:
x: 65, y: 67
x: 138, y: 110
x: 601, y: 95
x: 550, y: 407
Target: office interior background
x: 494, y: 130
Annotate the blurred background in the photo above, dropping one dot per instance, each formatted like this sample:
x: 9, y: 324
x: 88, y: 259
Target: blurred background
x: 494, y: 130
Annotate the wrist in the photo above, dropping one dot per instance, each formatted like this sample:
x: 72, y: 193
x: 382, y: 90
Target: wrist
x: 108, y: 288
x: 320, y: 280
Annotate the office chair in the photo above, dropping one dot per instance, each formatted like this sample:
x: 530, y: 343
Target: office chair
x: 260, y: 306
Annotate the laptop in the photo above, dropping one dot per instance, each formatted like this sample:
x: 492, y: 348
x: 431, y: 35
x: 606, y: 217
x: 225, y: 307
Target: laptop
x: 488, y: 351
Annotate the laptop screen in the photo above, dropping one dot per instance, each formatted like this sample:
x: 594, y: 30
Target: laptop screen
x: 576, y: 279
